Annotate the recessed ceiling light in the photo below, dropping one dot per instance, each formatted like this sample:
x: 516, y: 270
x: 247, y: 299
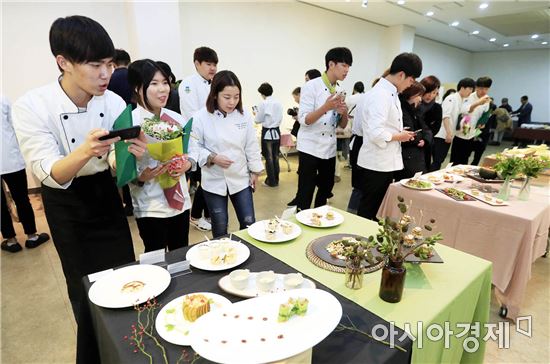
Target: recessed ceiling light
x: 544, y: 43
x: 365, y: 3
x: 506, y: 45
x: 348, y: 1
x: 455, y: 24
x: 401, y: 2
x: 492, y: 40
x: 534, y: 36
x: 430, y: 13
x: 475, y: 32
x: 483, y: 6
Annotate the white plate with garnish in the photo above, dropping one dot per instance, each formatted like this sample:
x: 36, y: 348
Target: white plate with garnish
x: 216, y: 255
x: 250, y: 332
x: 488, y: 198
x: 129, y: 286
x: 174, y: 327
x: 322, y: 217
x: 283, y: 282
x: 274, y: 231
x: 417, y: 184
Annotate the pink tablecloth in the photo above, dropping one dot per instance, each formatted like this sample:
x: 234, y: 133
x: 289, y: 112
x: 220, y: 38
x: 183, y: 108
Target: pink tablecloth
x: 511, y: 237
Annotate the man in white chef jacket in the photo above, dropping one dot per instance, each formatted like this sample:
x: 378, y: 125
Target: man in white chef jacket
x: 58, y: 127
x: 322, y: 109
x: 14, y: 176
x: 193, y: 92
x: 382, y: 123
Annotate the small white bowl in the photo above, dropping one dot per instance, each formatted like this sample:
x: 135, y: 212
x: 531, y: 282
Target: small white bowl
x: 239, y: 278
x: 265, y: 280
x: 293, y: 280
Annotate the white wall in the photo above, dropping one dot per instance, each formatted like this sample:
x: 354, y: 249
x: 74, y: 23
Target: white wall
x: 518, y: 73
x: 447, y: 63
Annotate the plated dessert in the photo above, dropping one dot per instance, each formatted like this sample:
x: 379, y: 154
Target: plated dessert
x: 488, y: 198
x: 320, y: 217
x: 215, y: 255
x: 274, y: 230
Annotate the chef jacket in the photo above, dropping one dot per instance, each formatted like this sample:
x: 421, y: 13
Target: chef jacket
x: 357, y: 125
x: 232, y: 135
x: 452, y: 107
x: 49, y: 126
x: 381, y: 118
x: 317, y: 139
x: 270, y: 115
x: 12, y: 160
x: 193, y: 92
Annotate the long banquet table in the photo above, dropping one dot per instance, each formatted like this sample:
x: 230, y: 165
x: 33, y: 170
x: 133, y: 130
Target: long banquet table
x: 511, y: 237
x: 434, y: 294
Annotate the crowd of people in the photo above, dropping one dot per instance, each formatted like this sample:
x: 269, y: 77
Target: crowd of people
x: 389, y: 132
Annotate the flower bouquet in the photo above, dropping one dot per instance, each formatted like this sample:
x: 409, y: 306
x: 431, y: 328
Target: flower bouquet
x: 466, y: 127
x: 164, y: 143
x: 356, y: 252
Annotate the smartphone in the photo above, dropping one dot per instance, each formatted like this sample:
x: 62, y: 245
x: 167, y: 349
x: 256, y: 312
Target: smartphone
x: 417, y: 131
x: 342, y: 94
x: 126, y: 133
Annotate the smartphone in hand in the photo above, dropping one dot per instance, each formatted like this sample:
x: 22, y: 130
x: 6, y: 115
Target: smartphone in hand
x: 124, y: 134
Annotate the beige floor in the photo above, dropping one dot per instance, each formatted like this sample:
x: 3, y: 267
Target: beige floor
x: 37, y: 325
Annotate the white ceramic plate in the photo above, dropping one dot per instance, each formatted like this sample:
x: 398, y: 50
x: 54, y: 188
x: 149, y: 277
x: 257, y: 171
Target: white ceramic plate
x: 196, y: 260
x: 304, y: 217
x: 114, y: 290
x: 257, y: 231
x: 404, y: 183
x: 435, y: 178
x: 248, y: 331
x: 173, y: 327
x: 449, y: 177
x: 252, y: 291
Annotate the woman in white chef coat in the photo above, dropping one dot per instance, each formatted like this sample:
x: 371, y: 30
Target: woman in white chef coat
x: 224, y: 145
x: 160, y: 225
x: 58, y: 127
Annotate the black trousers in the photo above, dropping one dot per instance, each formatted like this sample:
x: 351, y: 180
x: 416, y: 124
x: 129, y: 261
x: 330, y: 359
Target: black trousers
x: 164, y: 232
x: 199, y: 204
x: 461, y: 150
x: 478, y: 147
x: 353, y: 155
x: 314, y: 171
x: 17, y: 184
x: 270, y: 151
x: 374, y: 186
x: 440, y: 150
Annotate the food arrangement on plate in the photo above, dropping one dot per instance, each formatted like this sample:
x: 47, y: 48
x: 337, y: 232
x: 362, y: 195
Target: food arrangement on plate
x: 293, y: 307
x: 217, y: 255
x: 176, y: 319
x: 274, y: 230
x: 456, y: 194
x: 417, y: 184
x: 488, y: 198
x: 243, y: 283
x: 320, y: 217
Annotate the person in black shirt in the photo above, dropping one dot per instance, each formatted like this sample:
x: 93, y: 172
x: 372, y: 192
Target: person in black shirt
x: 431, y: 114
x: 119, y: 80
x: 505, y: 105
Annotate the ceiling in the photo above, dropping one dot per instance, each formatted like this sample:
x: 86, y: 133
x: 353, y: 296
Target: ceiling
x: 510, y: 22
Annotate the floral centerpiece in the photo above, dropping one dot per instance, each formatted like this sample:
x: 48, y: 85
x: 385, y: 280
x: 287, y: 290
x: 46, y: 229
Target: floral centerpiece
x: 508, y: 166
x: 356, y: 252
x: 532, y: 166
x: 396, y: 240
x: 164, y: 143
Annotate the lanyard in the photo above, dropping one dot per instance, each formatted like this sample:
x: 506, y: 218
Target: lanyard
x: 331, y: 88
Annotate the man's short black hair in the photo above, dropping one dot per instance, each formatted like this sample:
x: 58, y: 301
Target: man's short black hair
x: 80, y: 39
x: 409, y: 63
x: 121, y: 58
x: 359, y: 87
x: 265, y: 89
x: 504, y: 100
x: 205, y: 54
x: 339, y: 55
x: 465, y: 83
x: 525, y: 98
x: 484, y: 82
x: 313, y: 73
x: 296, y: 91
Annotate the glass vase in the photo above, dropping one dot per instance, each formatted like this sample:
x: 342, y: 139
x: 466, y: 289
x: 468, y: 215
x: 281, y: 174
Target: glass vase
x: 393, y: 281
x: 525, y: 190
x: 354, y: 275
x: 504, y: 193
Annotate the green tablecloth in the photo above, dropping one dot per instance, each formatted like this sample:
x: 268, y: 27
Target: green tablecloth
x: 457, y: 291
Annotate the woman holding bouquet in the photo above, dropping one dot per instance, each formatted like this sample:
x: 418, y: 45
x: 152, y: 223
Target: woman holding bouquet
x: 224, y: 145
x: 162, y: 218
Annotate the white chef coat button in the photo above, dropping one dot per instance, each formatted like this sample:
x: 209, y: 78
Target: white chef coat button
x: 73, y: 140
x: 65, y: 117
x: 324, y: 123
x: 99, y: 157
x: 323, y: 134
x: 101, y: 114
x: 331, y: 135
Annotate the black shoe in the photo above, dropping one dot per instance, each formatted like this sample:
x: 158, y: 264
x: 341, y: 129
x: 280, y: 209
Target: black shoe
x: 129, y: 210
x: 292, y: 203
x: 12, y: 248
x: 42, y: 238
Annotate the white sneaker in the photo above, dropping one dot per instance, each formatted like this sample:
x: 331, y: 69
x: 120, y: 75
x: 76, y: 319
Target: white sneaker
x: 202, y: 224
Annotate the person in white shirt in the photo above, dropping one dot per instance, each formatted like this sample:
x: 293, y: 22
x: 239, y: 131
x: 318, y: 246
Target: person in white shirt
x: 382, y: 120
x: 224, y: 145
x: 270, y: 115
x: 160, y: 225
x: 193, y: 92
x: 58, y: 127
x: 322, y: 109
x: 13, y: 174
x: 453, y: 107
x: 476, y: 106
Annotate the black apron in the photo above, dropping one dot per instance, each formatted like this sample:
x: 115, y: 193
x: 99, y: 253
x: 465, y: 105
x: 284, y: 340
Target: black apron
x: 275, y: 133
x: 353, y: 155
x: 89, y: 229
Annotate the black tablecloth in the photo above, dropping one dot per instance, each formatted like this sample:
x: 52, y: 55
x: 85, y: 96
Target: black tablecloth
x: 101, y: 331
